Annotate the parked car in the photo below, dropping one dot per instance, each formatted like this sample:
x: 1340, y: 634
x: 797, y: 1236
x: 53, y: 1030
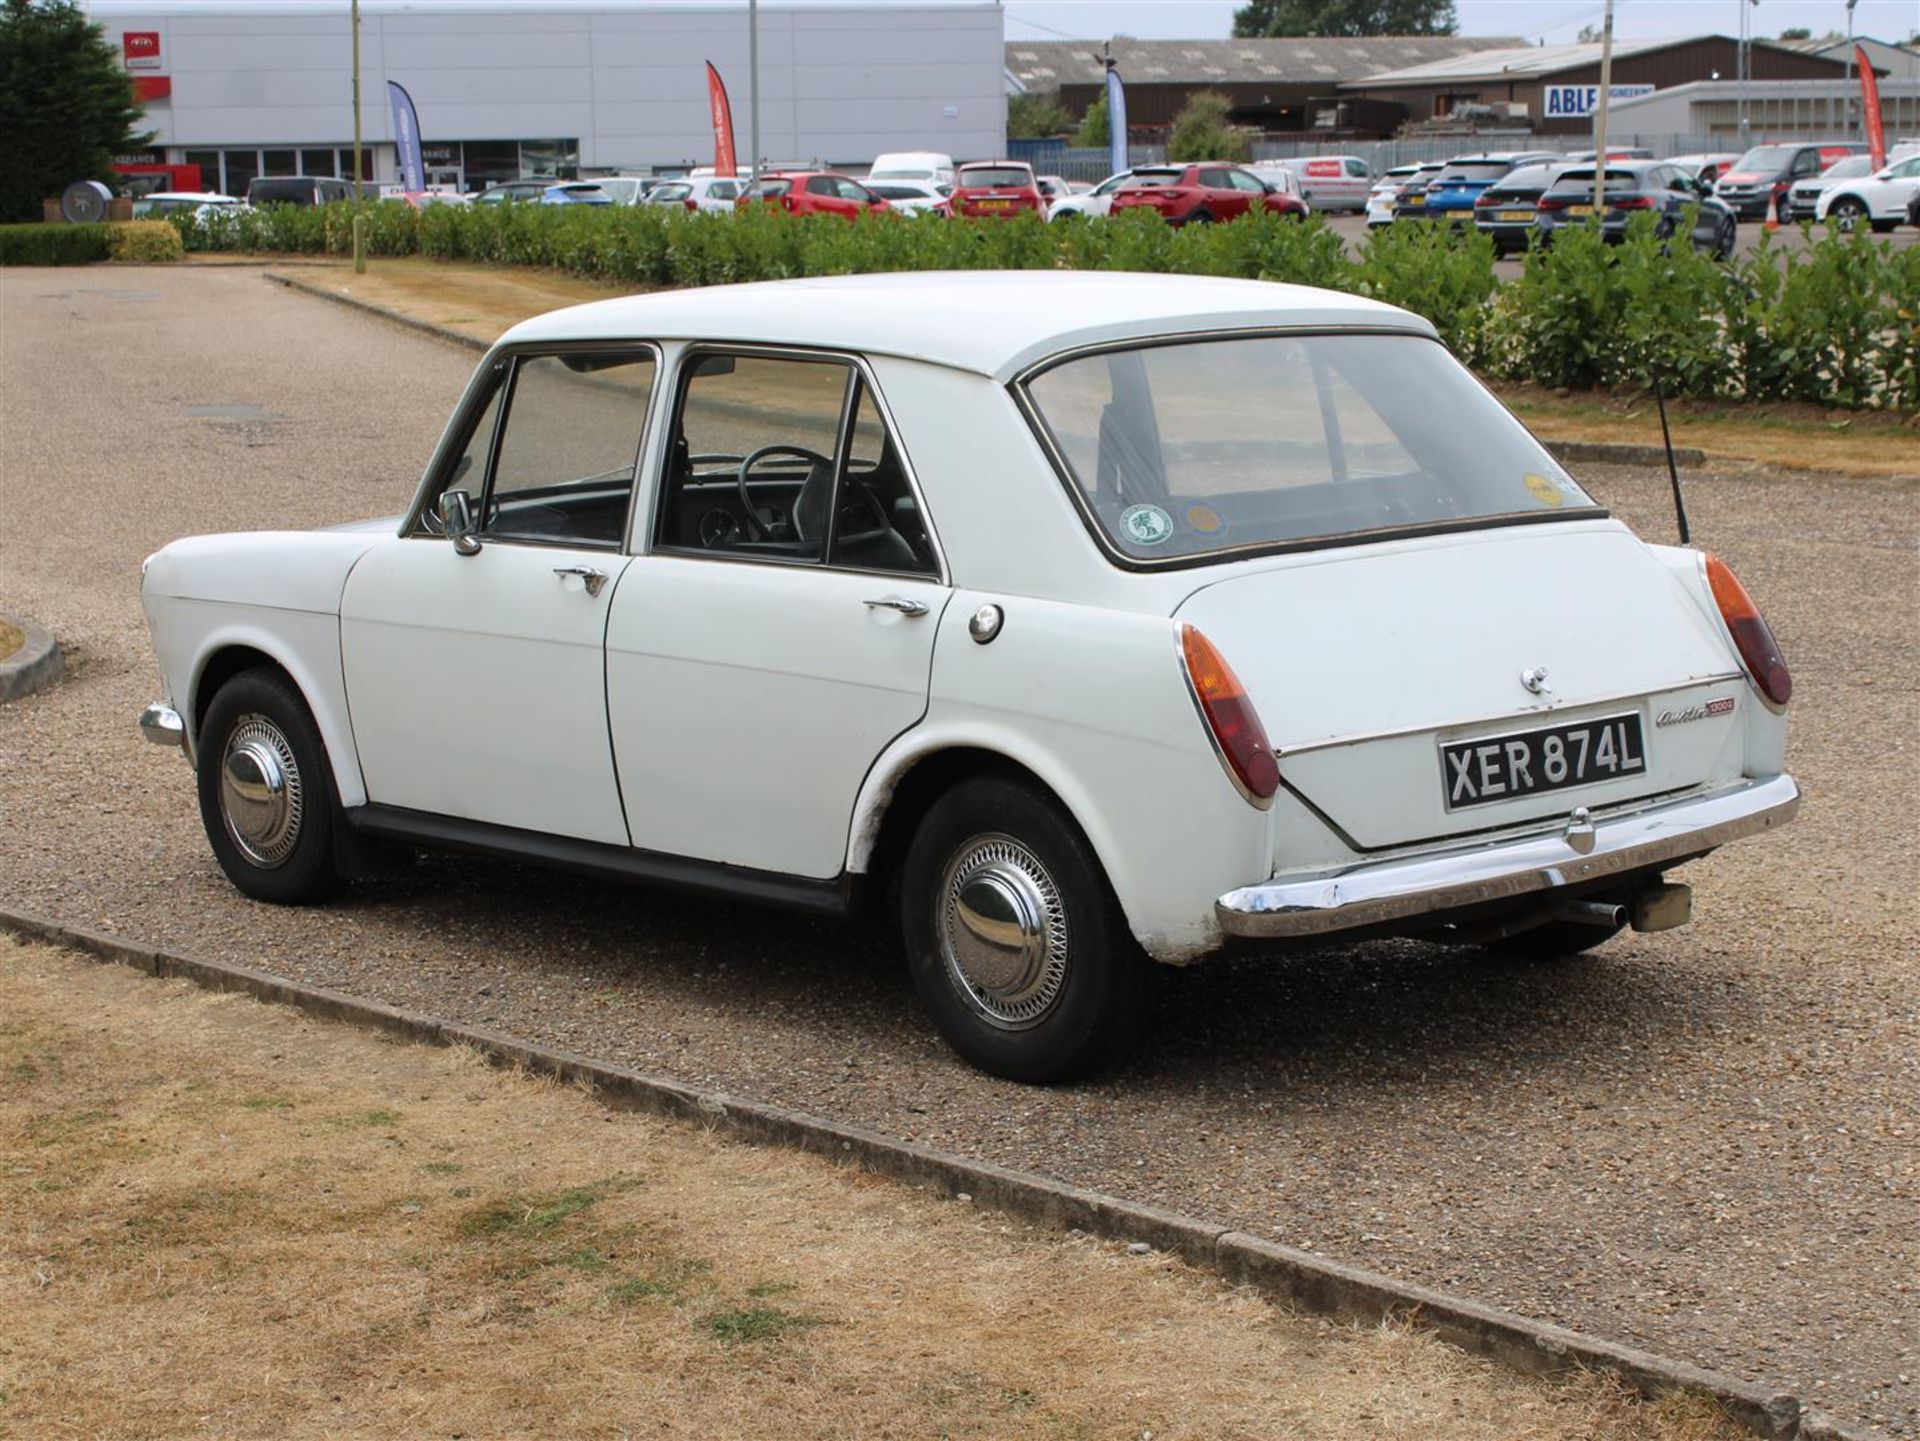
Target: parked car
x: 698, y: 192
x: 914, y: 197
x: 625, y: 189
x: 157, y: 204
x: 1505, y: 210
x: 1633, y: 187
x: 421, y: 199
x: 1052, y: 188
x: 1326, y: 182
x: 814, y: 192
x: 1091, y: 204
x: 1385, y: 193
x: 1706, y: 167
x: 575, y: 192
x: 997, y: 189
x: 1614, y: 152
x: 956, y: 605
x: 528, y: 190
x: 1757, y: 185
x: 1199, y: 194
x: 927, y: 165
x: 1408, y: 199
x: 297, y: 190
x: 1452, y: 192
x: 1803, y: 196
x: 1880, y: 200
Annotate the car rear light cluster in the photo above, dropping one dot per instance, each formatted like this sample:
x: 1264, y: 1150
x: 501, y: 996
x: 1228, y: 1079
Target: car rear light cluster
x: 1548, y: 202
x: 1230, y: 717
x: 1751, y: 637
x: 1632, y: 202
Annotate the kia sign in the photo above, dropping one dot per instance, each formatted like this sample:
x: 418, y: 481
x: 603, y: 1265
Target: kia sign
x: 140, y: 49
x: 1577, y: 102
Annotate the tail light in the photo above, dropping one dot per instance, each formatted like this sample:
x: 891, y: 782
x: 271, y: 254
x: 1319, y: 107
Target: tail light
x: 692, y: 204
x: 1550, y: 203
x: 1750, y: 634
x: 787, y: 202
x: 1230, y: 717
x: 1483, y: 200
x: 1632, y: 202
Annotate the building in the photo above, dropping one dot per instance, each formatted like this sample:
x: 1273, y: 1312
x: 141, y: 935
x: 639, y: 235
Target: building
x: 1271, y: 84
x: 1550, y: 89
x: 554, y: 87
x: 1775, y: 110
x: 1896, y: 62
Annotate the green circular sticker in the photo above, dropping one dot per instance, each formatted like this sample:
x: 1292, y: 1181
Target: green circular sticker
x: 1145, y: 524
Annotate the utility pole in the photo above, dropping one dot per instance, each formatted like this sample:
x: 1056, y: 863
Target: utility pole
x: 1600, y: 118
x: 359, y: 197
x: 753, y: 90
x: 1846, y: 97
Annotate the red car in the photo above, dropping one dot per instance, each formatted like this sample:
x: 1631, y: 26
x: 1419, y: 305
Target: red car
x: 1202, y: 193
x: 997, y: 189
x: 814, y: 192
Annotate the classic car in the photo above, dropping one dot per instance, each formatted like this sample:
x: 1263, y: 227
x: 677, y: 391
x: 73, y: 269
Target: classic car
x: 1074, y: 622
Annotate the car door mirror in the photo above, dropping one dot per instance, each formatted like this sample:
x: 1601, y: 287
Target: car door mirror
x: 456, y: 519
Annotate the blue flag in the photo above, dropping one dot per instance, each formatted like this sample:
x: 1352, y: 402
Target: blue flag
x: 1117, y: 120
x: 406, y: 138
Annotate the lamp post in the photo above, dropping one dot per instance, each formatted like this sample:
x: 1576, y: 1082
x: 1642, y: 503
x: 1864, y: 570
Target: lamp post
x: 1846, y: 97
x: 753, y: 90
x: 1600, y: 118
x: 359, y: 197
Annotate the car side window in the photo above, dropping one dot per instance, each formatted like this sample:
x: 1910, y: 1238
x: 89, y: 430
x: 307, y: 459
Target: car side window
x: 849, y: 190
x: 725, y: 190
x: 1358, y: 170
x: 1213, y: 179
x: 562, y: 472
x: 822, y: 185
x: 879, y: 525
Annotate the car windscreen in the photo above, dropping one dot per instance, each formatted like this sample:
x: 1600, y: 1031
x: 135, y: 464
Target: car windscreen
x: 1848, y: 169
x: 993, y: 177
x: 1766, y: 158
x: 901, y: 175
x: 1192, y: 449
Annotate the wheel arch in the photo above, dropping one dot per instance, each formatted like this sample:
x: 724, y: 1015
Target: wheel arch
x: 238, y: 646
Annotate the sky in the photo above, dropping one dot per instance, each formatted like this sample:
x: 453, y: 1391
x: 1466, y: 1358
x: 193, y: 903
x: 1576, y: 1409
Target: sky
x: 1554, y: 21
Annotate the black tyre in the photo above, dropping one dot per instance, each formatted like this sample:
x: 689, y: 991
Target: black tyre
x: 266, y: 791
x: 1556, y: 940
x: 1016, y: 943
x: 1200, y: 217
x: 1845, y: 213
x: 1729, y: 238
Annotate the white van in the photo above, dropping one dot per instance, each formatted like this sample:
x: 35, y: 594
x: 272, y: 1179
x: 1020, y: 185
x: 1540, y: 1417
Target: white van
x: 924, y: 165
x: 1328, y: 182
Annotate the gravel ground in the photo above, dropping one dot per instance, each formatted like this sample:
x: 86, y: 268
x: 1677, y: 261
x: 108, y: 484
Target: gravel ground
x: 1706, y: 1142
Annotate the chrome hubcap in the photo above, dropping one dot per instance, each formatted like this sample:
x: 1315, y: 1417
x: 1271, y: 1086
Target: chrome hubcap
x: 1003, y: 931
x: 260, y: 792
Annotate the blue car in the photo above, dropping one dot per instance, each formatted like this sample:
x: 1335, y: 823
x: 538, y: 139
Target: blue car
x: 575, y: 192
x: 1452, y: 193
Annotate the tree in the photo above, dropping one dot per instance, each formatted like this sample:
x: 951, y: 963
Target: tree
x: 1796, y: 32
x: 1095, y: 132
x: 1340, y: 18
x: 66, y: 106
x: 1201, y: 131
x: 1589, y: 35
x: 1031, y: 116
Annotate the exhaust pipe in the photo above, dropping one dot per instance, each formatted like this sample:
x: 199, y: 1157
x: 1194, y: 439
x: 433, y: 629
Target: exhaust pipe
x: 1592, y: 913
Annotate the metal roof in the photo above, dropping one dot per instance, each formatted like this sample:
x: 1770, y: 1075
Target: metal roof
x: 1049, y: 64
x: 1526, y: 61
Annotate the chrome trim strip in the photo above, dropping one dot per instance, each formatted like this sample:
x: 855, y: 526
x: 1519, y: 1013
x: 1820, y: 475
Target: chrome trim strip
x: 1386, y: 891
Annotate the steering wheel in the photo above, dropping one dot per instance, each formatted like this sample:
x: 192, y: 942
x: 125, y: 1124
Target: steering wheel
x: 755, y: 529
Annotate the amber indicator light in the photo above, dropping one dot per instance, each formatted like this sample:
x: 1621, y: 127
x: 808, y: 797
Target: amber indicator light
x: 1230, y: 715
x: 1750, y: 634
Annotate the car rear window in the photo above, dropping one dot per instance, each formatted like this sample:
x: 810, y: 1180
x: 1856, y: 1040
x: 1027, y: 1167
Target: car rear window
x: 1475, y: 170
x: 265, y: 191
x: 1156, y: 178
x: 1183, y: 451
x: 994, y: 176
x: 1583, y: 179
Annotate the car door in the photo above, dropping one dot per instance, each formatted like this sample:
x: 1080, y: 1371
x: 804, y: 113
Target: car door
x: 761, y: 655
x: 1248, y: 191
x: 1219, y: 197
x: 823, y: 196
x: 476, y: 681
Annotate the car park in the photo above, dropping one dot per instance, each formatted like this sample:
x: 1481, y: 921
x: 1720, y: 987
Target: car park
x: 297, y: 190
x: 200, y: 203
x: 914, y: 197
x: 1408, y: 199
x: 1326, y: 182
x: 815, y: 192
x: 997, y: 189
x: 1200, y: 194
x: 1880, y: 200
x: 1635, y: 187
x: 1385, y: 192
x: 698, y: 192
x: 957, y: 605
x: 1505, y: 212
x: 1707, y: 166
x: 1756, y: 186
x: 1452, y: 192
x: 1094, y: 203
x: 928, y: 165
x: 1803, y: 197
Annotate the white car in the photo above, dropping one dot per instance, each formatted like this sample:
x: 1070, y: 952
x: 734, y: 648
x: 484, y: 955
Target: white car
x: 914, y: 197
x: 928, y: 165
x: 1072, y: 622
x: 698, y: 192
x: 1385, y: 193
x: 1803, y: 197
x: 202, y: 203
x: 1326, y: 182
x: 1880, y: 199
x: 1095, y: 204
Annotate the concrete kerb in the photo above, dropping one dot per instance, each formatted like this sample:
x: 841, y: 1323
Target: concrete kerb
x: 37, y: 663
x: 385, y: 312
x: 1298, y: 1279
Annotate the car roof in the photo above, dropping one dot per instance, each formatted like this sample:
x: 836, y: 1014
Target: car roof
x: 993, y: 323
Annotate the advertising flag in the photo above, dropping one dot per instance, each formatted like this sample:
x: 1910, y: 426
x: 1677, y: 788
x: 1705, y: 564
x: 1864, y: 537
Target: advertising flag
x: 723, y: 163
x: 406, y: 138
x: 1870, y: 100
x: 1117, y: 120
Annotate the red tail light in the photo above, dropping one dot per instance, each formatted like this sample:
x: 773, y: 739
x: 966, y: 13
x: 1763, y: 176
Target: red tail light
x: 1230, y: 717
x: 1750, y: 634
x: 692, y: 204
x: 1483, y: 200
x: 1549, y: 203
x: 1632, y: 202
x: 787, y: 202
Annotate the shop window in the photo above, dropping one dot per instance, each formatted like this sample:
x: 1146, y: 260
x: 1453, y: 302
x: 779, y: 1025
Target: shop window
x: 281, y: 162
x: 242, y: 166
x: 319, y: 162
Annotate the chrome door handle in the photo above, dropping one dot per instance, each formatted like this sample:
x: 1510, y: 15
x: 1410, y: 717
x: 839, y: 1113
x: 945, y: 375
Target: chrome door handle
x: 894, y: 602
x: 591, y: 578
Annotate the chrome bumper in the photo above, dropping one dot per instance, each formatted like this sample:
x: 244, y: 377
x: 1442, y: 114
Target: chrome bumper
x: 1386, y: 891
x: 162, y: 725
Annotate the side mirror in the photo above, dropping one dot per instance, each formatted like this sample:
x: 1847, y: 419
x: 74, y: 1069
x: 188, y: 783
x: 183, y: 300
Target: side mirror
x: 456, y: 519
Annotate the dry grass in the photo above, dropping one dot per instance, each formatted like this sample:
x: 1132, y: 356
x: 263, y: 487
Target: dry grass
x: 481, y: 301
x: 229, y: 1220
x: 11, y: 639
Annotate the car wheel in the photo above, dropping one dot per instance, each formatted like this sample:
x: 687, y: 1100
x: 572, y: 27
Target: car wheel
x: 1017, y: 945
x: 1845, y: 213
x: 1200, y: 217
x: 266, y: 791
x: 1729, y: 238
x: 1556, y: 940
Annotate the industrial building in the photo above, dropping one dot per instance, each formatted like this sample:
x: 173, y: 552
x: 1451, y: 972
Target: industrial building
x: 554, y: 87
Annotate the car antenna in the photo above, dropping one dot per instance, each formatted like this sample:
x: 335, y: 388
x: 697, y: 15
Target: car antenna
x: 1673, y: 471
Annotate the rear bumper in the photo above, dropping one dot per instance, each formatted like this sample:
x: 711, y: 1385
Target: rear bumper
x: 1431, y: 884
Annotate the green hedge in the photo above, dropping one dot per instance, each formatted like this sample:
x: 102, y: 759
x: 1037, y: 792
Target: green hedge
x: 52, y: 244
x: 1836, y: 323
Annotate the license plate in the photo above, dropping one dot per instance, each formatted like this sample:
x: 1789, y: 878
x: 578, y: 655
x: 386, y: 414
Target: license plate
x: 1514, y: 215
x: 993, y: 204
x: 1579, y: 210
x: 1503, y: 768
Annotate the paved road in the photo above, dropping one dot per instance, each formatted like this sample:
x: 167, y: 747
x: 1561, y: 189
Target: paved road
x: 1706, y: 1141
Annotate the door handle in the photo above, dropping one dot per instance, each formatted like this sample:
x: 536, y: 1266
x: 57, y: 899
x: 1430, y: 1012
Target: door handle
x: 589, y: 577
x: 894, y: 602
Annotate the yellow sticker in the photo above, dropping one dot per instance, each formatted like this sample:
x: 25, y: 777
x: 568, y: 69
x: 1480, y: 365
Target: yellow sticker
x: 1205, y: 519
x: 1544, y: 490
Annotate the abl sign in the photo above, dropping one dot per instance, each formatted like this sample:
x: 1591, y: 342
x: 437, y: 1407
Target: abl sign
x: 1572, y: 102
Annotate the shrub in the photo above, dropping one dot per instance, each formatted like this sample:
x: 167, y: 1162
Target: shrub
x: 1201, y: 132
x: 52, y: 244
x: 144, y: 241
x: 1435, y: 271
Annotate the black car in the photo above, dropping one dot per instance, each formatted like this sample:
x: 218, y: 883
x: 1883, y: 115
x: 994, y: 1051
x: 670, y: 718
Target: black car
x: 1634, y: 186
x: 297, y: 190
x: 1505, y: 210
